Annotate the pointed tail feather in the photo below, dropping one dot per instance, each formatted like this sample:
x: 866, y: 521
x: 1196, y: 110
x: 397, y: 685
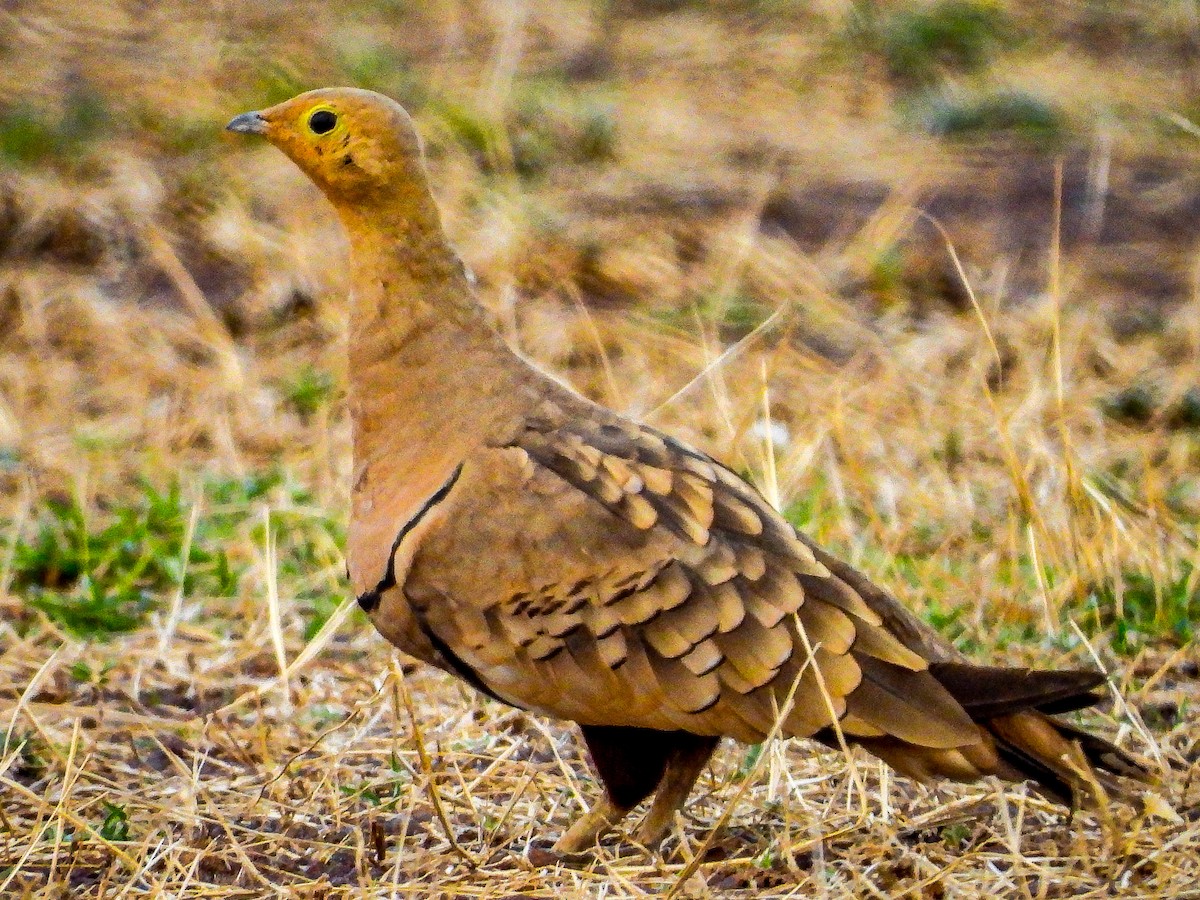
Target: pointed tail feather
x: 1015, y: 708
x: 989, y: 691
x: 1020, y: 740
x: 1064, y: 763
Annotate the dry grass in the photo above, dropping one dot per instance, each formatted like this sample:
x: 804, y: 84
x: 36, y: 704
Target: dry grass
x: 705, y: 218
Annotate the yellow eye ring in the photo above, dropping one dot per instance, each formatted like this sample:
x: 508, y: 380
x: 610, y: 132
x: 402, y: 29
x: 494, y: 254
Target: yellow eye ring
x: 322, y: 121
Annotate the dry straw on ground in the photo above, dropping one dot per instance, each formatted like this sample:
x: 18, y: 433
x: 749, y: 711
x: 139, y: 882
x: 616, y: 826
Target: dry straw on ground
x: 707, y: 218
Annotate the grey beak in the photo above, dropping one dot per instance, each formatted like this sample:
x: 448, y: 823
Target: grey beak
x: 247, y: 123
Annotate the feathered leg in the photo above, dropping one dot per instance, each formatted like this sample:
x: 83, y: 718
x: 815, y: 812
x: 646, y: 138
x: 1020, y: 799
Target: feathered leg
x: 683, y: 768
x: 631, y: 763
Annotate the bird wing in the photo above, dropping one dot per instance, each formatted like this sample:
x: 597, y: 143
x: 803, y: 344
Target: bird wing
x: 596, y: 570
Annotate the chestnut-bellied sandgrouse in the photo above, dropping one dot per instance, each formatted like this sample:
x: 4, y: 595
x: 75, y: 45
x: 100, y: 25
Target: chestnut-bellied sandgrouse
x: 566, y: 560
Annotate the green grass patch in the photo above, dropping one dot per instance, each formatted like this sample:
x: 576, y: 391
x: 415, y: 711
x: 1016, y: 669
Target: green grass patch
x: 308, y: 390
x: 1139, y: 609
x: 597, y: 133
x: 100, y: 573
x: 748, y: 761
x: 385, y: 794
x: 277, y: 82
x: 175, y: 135
x: 469, y: 129
x: 547, y: 126
x: 736, y: 315
x: 382, y: 68
x: 309, y: 544
x: 887, y: 275
x: 1009, y: 111
x: 30, y: 135
x: 956, y: 836
x: 101, y: 576
x: 227, y: 491
x: 115, y: 825
x: 919, y: 46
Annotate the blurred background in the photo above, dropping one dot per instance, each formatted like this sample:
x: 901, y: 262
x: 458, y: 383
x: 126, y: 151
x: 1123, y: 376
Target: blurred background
x: 926, y: 271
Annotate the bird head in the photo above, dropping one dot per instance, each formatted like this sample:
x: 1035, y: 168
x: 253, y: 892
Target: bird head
x: 358, y: 146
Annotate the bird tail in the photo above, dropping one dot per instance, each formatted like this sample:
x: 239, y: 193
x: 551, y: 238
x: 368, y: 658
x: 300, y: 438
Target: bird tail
x: 1022, y: 739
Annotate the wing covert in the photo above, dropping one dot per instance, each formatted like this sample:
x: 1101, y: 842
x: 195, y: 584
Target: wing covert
x: 611, y: 575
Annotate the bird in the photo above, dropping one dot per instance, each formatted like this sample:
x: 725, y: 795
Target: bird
x: 567, y: 560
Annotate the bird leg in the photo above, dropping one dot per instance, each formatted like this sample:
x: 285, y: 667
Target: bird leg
x: 632, y: 763
x: 591, y: 826
x: 683, y: 768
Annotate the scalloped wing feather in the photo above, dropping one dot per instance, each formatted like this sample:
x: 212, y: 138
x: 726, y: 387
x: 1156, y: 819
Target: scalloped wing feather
x: 599, y: 571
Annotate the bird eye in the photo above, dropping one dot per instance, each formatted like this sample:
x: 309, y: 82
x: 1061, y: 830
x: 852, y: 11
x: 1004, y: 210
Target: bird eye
x: 322, y: 121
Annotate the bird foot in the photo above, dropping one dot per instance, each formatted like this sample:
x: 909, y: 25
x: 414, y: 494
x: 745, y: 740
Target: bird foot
x: 590, y: 827
x: 651, y: 832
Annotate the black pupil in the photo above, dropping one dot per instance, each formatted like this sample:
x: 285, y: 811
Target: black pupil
x: 322, y: 121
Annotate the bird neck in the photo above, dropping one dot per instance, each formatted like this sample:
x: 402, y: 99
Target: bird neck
x: 408, y: 284
x: 430, y: 378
